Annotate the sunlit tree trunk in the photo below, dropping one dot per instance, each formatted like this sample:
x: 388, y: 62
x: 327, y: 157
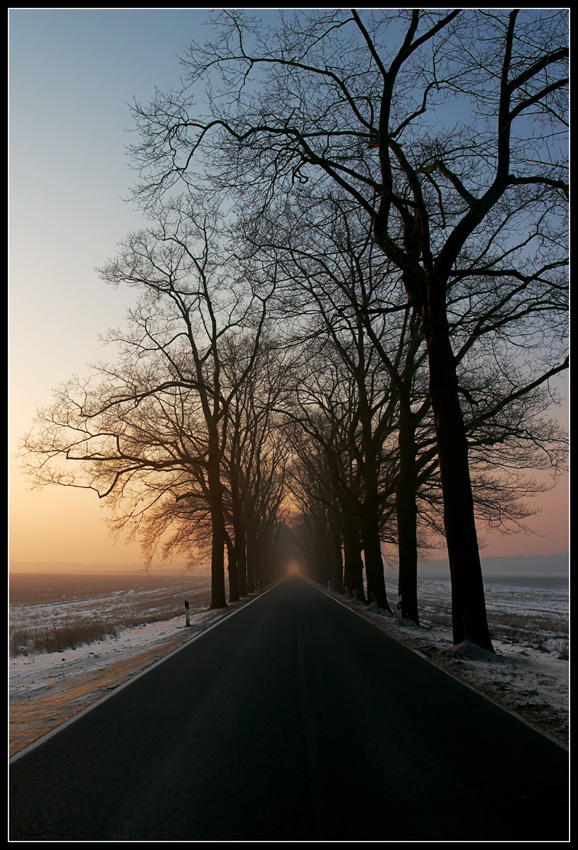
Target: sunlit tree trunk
x: 232, y: 570
x: 372, y: 552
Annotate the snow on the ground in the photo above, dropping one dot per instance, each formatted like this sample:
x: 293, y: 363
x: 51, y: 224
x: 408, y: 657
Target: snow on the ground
x: 37, y: 674
x: 527, y: 677
x: 47, y: 688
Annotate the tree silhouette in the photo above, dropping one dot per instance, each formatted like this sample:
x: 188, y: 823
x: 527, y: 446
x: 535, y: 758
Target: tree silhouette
x: 446, y: 128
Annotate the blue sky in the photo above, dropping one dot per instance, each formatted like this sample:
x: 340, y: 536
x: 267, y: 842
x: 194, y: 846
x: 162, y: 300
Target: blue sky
x: 72, y: 74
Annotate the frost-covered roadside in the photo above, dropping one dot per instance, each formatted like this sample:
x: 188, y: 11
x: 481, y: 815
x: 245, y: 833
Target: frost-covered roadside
x: 48, y: 688
x: 37, y: 674
x: 532, y: 683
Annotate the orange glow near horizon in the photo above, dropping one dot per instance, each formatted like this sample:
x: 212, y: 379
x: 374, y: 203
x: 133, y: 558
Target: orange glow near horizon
x: 59, y: 525
x: 293, y: 569
x: 66, y: 527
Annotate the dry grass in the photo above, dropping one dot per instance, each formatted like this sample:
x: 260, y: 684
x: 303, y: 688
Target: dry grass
x: 33, y: 716
x: 58, y: 613
x: 57, y: 638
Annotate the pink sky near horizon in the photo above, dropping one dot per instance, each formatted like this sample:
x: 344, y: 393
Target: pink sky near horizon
x: 62, y: 525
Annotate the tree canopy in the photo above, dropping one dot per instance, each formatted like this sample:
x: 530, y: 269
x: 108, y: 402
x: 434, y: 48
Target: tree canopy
x: 355, y: 289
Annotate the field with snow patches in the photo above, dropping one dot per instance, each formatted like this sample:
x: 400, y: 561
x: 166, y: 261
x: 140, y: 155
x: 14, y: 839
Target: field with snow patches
x: 73, y: 639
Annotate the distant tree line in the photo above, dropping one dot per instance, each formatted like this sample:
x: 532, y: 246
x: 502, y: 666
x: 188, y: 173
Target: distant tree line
x: 352, y: 299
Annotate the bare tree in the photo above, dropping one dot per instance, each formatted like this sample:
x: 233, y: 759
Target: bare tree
x: 318, y: 525
x: 341, y: 285
x: 443, y: 126
x: 155, y: 427
x: 344, y: 404
x: 335, y: 285
x: 255, y: 465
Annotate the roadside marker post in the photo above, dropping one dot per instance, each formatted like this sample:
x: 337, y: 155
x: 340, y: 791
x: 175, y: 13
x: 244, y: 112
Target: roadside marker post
x: 187, y: 614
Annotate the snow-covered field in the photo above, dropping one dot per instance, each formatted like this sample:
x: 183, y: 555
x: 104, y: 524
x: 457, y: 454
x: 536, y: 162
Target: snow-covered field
x: 528, y: 674
x: 529, y: 622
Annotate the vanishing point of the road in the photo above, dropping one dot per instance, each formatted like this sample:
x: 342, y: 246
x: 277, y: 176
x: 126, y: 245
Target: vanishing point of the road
x: 293, y: 719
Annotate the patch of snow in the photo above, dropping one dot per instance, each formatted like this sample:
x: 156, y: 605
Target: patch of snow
x: 528, y: 673
x: 32, y: 673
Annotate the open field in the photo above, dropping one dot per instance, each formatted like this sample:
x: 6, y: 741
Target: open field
x: 139, y: 619
x: 54, y: 613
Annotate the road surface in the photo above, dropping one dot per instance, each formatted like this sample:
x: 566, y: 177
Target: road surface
x: 294, y: 719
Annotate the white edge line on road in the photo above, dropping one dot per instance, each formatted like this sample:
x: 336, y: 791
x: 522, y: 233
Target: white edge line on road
x: 47, y: 735
x: 226, y: 614
x: 509, y: 711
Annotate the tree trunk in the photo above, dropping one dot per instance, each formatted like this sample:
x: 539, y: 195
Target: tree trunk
x: 250, y: 567
x: 238, y: 520
x: 353, y: 565
x: 323, y: 547
x: 252, y: 561
x: 336, y: 553
x: 260, y: 566
x: 261, y: 573
x: 469, y: 618
x: 369, y: 509
x: 232, y: 569
x: 406, y: 512
x: 376, y: 591
x: 218, y: 597
x: 241, y: 547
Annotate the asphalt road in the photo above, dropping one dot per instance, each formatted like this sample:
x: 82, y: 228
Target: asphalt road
x: 294, y: 719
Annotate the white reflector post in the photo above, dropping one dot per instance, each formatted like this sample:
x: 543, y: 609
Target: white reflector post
x: 187, y: 615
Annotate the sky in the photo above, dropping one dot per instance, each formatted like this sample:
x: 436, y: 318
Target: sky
x: 72, y: 76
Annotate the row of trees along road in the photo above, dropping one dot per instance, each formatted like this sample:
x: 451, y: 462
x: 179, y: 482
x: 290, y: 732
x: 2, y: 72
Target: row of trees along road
x: 353, y: 298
